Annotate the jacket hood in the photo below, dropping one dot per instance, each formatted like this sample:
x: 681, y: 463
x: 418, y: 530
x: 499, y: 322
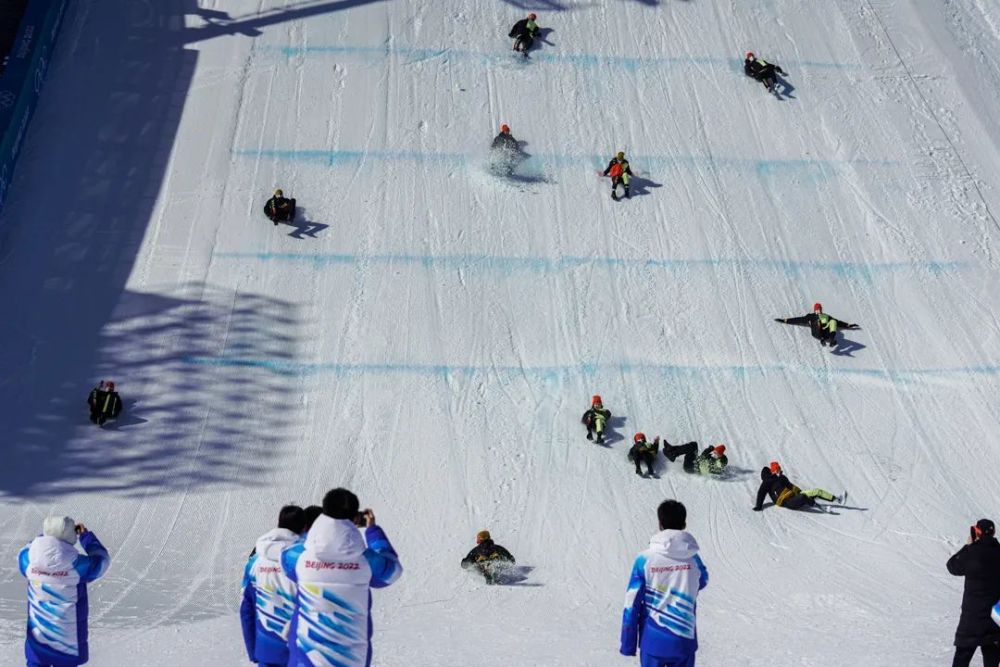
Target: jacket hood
x: 676, y: 544
x: 271, y: 543
x: 51, y: 553
x: 333, y: 539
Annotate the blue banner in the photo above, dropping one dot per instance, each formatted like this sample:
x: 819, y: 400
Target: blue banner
x: 21, y: 82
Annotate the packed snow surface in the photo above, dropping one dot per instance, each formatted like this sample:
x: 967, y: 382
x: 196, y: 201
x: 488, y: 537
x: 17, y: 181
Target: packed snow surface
x: 428, y: 334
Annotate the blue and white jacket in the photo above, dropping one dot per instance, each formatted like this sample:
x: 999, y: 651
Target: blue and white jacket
x: 268, y: 599
x: 57, y: 577
x: 335, y: 570
x: 661, y: 600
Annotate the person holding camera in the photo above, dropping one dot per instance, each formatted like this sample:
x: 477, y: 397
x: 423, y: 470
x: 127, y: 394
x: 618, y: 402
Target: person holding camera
x: 58, y: 575
x: 979, y: 562
x: 334, y: 570
x: 268, y: 595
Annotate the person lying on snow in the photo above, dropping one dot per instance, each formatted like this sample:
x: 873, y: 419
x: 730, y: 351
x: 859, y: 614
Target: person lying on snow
x: 488, y: 558
x: 824, y: 328
x: 761, y: 70
x: 711, y: 461
x: 785, y: 494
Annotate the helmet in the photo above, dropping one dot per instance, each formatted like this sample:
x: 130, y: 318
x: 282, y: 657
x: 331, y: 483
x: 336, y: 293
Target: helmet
x: 817, y: 306
x: 279, y: 193
x: 109, y: 385
x: 596, y: 400
x: 620, y: 155
x: 719, y: 450
x: 775, y: 467
x: 639, y: 437
x: 505, y: 129
x: 482, y: 536
x: 532, y: 16
x: 750, y: 55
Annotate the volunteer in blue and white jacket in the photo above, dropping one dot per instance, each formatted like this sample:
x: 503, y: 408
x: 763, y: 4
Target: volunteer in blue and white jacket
x: 661, y: 601
x: 335, y: 570
x: 268, y: 595
x: 57, y: 577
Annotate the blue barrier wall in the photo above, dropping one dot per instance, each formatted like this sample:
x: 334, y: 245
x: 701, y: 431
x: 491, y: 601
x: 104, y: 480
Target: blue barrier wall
x: 22, y: 80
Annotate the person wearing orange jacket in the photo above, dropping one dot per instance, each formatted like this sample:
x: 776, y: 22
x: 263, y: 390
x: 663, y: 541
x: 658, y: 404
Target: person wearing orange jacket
x: 620, y: 172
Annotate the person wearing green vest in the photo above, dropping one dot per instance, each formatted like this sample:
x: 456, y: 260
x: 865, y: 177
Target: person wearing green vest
x: 524, y: 32
x: 595, y: 419
x: 711, y: 461
x: 763, y: 71
x: 644, y: 452
x: 824, y: 328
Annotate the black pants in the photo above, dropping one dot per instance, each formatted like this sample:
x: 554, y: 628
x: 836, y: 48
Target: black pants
x: 644, y: 457
x: 523, y: 43
x: 963, y: 656
x: 689, y: 451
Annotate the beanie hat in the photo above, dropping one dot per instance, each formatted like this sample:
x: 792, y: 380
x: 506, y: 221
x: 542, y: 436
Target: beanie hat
x: 60, y: 527
x: 483, y: 535
x: 986, y: 527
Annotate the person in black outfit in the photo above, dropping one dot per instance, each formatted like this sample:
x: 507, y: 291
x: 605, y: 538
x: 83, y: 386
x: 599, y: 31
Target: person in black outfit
x: 761, y: 70
x: 104, y: 402
x: 785, y: 494
x: 504, y: 141
x: 595, y: 419
x: 279, y: 208
x: 643, y: 452
x: 488, y: 557
x: 979, y: 562
x: 524, y: 32
x: 823, y: 327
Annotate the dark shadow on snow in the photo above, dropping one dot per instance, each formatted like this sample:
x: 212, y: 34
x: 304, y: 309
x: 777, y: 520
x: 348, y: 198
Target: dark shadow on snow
x: 846, y: 347
x: 303, y: 227
x: 639, y: 186
x: 612, y: 430
x: 784, y: 87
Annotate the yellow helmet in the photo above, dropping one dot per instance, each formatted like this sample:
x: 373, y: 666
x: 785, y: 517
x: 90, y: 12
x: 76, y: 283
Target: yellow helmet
x: 279, y: 193
x: 621, y: 155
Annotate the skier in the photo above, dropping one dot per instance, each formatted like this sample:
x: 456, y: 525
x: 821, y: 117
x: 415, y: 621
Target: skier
x: 505, y: 152
x: 711, y: 461
x: 823, y: 327
x: 620, y: 172
x: 979, y: 562
x: 643, y: 452
x: 662, y: 596
x: 268, y: 595
x: 104, y: 402
x: 761, y: 70
x: 279, y: 209
x: 524, y: 32
x: 489, y: 558
x: 785, y: 494
x: 595, y: 419
x: 57, y: 577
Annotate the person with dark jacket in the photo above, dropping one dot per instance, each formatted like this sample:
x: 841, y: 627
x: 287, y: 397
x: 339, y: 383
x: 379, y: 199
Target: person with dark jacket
x: 524, y: 32
x: 595, y: 419
x: 643, y: 452
x: 488, y: 557
x: 620, y: 172
x: 504, y: 141
x: 785, y: 494
x: 979, y: 562
x: 761, y: 70
x: 711, y: 461
x: 279, y: 208
x: 104, y: 402
x: 823, y: 327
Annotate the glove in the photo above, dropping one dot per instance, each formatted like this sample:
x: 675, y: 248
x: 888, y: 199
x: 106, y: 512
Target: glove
x: 758, y: 509
x: 852, y: 327
x: 779, y: 319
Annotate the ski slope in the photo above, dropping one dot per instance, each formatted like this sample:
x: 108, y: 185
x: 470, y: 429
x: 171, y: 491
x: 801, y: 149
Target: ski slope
x: 429, y: 334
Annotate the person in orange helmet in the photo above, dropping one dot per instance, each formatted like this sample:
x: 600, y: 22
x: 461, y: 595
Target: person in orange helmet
x: 824, y: 328
x: 643, y: 452
x: 595, y: 419
x: 711, y: 461
x: 774, y: 483
x: 763, y: 71
x: 524, y: 32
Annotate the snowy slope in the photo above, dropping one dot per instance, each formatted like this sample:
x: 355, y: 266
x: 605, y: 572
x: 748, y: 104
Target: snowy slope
x: 431, y: 338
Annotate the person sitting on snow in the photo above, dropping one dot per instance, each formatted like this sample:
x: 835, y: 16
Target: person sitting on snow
x: 785, y: 494
x: 761, y: 70
x: 595, y: 419
x: 524, y: 32
x: 643, y: 452
x: 279, y: 208
x: 488, y: 557
x: 104, y: 402
x: 823, y: 327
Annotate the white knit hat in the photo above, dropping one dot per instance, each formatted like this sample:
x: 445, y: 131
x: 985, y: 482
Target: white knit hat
x: 60, y: 527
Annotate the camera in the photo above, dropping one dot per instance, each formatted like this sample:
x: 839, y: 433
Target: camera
x: 359, y: 519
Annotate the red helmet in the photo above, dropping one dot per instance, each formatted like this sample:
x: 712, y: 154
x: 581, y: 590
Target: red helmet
x: 639, y: 437
x: 109, y: 385
x: 775, y: 467
x: 750, y: 55
x: 817, y: 306
x: 719, y: 450
x: 596, y: 400
x: 532, y: 16
x: 505, y: 128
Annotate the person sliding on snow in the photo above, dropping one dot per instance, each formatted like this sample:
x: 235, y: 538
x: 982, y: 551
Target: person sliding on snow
x: 595, y: 418
x: 711, y: 461
x: 620, y: 173
x: 104, y: 402
x: 785, y: 494
x: 505, y: 141
x: 524, y: 32
x: 761, y: 70
x: 279, y: 209
x: 488, y: 557
x: 643, y: 452
x: 824, y: 328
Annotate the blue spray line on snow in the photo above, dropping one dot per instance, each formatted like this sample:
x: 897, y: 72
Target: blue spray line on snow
x: 556, y: 373
x: 582, y: 60
x: 511, y: 265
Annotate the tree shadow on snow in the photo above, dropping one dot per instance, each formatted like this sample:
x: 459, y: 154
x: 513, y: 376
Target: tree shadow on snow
x: 303, y: 227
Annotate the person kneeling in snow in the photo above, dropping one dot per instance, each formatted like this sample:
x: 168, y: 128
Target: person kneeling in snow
x: 279, y: 208
x: 785, y: 494
x: 711, y: 461
x: 662, y: 595
x: 488, y: 557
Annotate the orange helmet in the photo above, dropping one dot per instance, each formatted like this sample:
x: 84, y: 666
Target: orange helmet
x: 775, y: 467
x: 639, y: 437
x: 532, y: 16
x: 505, y: 129
x: 719, y: 450
x: 817, y: 306
x: 596, y: 400
x: 750, y: 55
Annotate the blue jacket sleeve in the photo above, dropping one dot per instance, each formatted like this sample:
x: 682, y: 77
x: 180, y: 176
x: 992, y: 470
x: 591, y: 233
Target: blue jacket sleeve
x: 248, y: 610
x: 290, y: 558
x: 382, y: 558
x: 635, y: 608
x: 92, y: 566
x: 22, y: 561
x: 702, y: 572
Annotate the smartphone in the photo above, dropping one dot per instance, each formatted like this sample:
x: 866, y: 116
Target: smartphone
x: 359, y: 519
